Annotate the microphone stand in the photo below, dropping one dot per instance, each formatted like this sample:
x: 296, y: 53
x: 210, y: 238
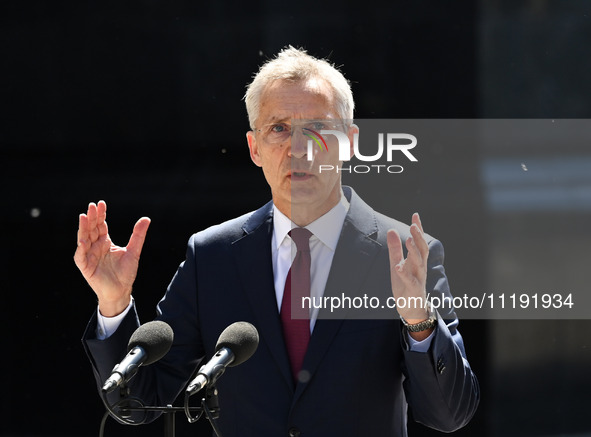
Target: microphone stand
x: 168, y: 413
x: 122, y: 413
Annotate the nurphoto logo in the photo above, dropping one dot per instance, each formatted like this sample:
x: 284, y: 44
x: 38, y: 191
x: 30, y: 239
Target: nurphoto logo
x: 391, y: 143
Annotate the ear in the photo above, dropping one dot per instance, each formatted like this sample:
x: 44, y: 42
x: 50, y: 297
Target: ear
x: 254, y: 150
x: 353, y: 130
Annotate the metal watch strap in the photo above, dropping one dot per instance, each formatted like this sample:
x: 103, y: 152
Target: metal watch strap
x: 424, y: 325
x: 421, y: 326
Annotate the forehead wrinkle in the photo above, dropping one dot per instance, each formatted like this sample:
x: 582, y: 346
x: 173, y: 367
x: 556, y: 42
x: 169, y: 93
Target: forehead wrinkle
x: 296, y: 112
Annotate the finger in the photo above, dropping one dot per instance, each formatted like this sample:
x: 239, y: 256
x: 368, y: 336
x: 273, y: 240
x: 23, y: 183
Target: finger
x: 101, y: 216
x: 92, y: 222
x: 82, y: 228
x: 82, y: 243
x: 91, y: 213
x: 101, y: 213
x: 414, y: 258
x: 136, y: 241
x: 416, y: 219
x: 419, y: 240
x: 101, y: 209
x: 394, y: 248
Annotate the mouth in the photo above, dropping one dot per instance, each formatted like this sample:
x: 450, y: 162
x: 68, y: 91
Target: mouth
x: 299, y: 175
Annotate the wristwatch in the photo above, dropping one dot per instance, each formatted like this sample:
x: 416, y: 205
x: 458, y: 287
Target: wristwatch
x: 425, y: 324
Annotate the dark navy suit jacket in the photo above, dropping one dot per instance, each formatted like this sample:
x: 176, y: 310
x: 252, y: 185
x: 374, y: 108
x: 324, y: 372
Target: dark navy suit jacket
x: 362, y: 375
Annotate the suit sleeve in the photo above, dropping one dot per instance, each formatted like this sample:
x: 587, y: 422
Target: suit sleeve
x: 161, y: 382
x: 441, y: 389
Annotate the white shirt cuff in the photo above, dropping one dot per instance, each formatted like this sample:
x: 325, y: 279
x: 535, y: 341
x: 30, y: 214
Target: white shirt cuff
x: 106, y: 326
x: 419, y: 346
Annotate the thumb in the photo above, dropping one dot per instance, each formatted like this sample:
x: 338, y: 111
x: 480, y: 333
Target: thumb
x: 136, y: 241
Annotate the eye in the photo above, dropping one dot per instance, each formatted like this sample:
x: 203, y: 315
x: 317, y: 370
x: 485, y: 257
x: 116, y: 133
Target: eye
x: 278, y: 128
x: 318, y: 125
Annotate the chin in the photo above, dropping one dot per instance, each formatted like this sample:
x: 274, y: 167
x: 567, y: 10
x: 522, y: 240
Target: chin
x: 303, y: 194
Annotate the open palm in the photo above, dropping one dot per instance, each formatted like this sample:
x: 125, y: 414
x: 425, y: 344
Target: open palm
x: 110, y: 270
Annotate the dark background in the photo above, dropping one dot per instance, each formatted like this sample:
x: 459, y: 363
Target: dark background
x: 139, y: 104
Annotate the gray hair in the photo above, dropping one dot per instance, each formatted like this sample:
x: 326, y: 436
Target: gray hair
x: 297, y: 65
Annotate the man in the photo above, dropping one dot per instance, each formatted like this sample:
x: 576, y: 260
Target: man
x: 349, y: 376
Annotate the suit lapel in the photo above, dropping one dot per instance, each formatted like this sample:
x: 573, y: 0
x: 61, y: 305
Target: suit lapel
x: 252, y: 254
x: 355, y: 254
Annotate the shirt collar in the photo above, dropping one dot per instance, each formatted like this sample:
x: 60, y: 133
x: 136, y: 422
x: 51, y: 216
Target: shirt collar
x: 326, y: 228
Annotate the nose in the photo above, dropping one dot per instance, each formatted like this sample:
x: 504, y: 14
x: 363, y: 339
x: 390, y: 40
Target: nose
x: 299, y: 144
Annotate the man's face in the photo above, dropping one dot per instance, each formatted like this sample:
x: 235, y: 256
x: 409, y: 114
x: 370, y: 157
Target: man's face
x: 299, y: 190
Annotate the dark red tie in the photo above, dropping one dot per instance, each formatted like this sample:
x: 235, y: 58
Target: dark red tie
x: 295, y: 318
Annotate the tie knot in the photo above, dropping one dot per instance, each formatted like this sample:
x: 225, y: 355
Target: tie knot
x: 301, y: 237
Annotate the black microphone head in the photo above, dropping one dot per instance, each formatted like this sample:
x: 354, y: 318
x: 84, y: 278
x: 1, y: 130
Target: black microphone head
x: 241, y: 338
x: 155, y: 338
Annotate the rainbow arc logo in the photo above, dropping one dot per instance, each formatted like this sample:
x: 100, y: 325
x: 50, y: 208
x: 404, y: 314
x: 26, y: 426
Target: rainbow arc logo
x: 316, y: 137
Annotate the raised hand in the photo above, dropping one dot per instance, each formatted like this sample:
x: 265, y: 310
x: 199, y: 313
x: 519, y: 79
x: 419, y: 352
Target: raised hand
x: 409, y: 276
x: 110, y: 270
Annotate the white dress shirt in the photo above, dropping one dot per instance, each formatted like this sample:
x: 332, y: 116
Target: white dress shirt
x: 323, y: 243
